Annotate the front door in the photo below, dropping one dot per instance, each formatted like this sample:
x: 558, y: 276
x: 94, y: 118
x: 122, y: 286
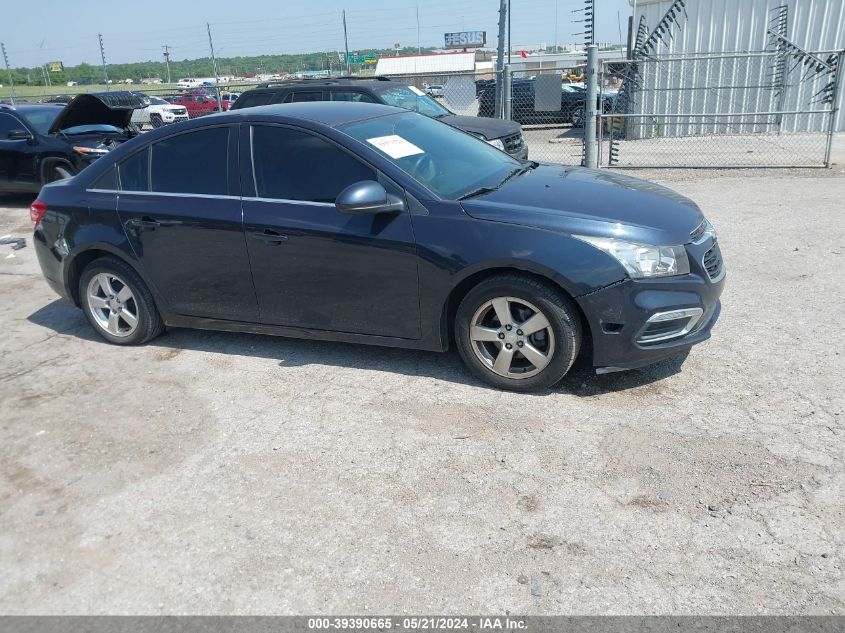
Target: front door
x: 313, y: 266
x: 179, y: 203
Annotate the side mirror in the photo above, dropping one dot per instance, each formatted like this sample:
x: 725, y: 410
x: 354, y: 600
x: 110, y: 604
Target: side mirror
x: 367, y: 196
x: 20, y: 135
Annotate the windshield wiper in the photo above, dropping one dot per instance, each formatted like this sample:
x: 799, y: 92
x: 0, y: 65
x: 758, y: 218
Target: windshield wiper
x: 519, y: 172
x: 477, y: 192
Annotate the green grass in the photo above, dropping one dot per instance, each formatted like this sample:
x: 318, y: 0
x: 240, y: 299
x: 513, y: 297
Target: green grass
x: 37, y: 92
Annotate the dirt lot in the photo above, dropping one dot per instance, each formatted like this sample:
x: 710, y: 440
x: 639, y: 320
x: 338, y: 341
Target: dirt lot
x: 225, y: 473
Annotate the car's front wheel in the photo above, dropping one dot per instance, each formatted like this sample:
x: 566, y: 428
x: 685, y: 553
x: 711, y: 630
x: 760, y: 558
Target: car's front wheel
x: 155, y: 120
x: 117, y: 303
x: 516, y: 332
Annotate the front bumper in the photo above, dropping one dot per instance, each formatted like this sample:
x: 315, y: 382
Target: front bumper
x: 618, y: 316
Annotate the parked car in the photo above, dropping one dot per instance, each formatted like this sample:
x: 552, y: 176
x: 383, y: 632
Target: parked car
x: 364, y: 223
x: 196, y: 104
x: 505, y: 135
x: 572, y: 104
x: 158, y: 112
x: 228, y: 99
x: 189, y: 82
x: 434, y: 90
x: 41, y: 143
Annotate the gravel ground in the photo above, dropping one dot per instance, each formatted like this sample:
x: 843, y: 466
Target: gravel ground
x: 226, y: 473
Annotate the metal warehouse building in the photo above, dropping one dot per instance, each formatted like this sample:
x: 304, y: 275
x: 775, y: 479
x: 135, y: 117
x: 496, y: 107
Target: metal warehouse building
x: 700, y: 62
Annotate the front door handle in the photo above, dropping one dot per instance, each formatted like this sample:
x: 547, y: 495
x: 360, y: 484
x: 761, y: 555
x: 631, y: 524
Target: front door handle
x: 270, y: 236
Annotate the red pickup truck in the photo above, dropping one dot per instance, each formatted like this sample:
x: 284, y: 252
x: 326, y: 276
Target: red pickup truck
x: 195, y: 104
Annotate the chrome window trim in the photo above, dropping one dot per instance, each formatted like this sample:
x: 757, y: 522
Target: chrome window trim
x: 693, y: 314
x: 213, y: 196
x: 169, y: 194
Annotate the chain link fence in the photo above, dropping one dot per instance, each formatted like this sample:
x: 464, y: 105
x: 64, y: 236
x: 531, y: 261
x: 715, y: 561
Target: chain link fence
x: 725, y: 110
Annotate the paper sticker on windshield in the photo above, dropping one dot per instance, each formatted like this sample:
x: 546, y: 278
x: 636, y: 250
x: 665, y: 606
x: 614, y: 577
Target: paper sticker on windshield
x: 395, y: 146
x: 417, y: 91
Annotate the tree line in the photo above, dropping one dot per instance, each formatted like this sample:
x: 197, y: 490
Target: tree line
x: 201, y: 67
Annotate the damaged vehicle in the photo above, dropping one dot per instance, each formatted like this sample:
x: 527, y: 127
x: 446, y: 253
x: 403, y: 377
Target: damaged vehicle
x: 44, y: 142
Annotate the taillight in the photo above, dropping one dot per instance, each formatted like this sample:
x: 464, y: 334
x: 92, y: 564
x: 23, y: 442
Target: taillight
x: 37, y: 210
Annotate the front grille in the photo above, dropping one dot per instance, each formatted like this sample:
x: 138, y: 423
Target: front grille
x: 513, y: 143
x: 712, y: 262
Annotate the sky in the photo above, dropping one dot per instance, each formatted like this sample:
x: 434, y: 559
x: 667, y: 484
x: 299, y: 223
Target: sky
x: 67, y: 31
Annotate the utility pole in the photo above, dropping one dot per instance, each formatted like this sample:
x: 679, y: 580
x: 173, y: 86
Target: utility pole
x: 510, y: 43
x: 346, y: 43
x: 103, y: 57
x: 500, y: 56
x: 8, y: 70
x: 214, y: 67
x: 418, y: 29
x: 166, y: 48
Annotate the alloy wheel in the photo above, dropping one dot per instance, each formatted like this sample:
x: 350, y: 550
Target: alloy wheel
x: 512, y: 337
x: 112, y: 304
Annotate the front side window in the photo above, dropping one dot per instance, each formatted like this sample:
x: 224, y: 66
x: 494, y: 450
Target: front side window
x: 447, y: 161
x: 355, y: 97
x: 412, y: 99
x: 295, y: 165
x: 7, y: 124
x: 195, y: 162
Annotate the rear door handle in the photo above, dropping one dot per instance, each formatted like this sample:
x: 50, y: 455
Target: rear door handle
x: 271, y: 236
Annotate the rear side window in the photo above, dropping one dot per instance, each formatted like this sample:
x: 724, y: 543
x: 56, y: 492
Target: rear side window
x: 295, y: 165
x: 135, y: 172
x: 299, y: 97
x: 355, y: 97
x: 254, y: 99
x: 107, y: 180
x: 195, y: 162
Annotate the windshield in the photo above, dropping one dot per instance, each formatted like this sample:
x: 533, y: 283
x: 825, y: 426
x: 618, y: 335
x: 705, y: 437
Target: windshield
x: 158, y: 101
x: 96, y: 128
x: 445, y: 160
x: 412, y: 99
x: 41, y: 117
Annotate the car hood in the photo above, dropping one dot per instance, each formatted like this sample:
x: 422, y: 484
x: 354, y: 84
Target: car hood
x: 109, y: 108
x: 583, y: 201
x: 487, y: 127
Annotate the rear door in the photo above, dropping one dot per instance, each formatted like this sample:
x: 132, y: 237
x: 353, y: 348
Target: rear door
x: 179, y: 202
x: 313, y: 266
x: 17, y: 157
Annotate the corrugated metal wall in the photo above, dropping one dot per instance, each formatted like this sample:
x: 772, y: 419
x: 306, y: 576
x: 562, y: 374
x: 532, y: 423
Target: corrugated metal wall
x: 727, y: 26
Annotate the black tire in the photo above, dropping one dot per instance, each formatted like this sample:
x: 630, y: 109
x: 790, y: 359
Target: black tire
x: 578, y: 116
x: 149, y: 323
x: 556, y: 306
x: 155, y: 120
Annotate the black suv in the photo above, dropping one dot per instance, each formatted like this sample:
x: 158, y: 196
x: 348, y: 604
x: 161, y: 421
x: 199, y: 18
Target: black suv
x: 506, y: 135
x: 43, y: 142
x: 572, y: 101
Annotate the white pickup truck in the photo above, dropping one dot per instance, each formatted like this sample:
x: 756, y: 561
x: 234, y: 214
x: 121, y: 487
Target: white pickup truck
x: 158, y: 112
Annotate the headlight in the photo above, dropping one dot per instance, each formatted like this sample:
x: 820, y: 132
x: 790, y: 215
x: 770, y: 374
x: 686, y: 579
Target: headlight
x: 709, y: 229
x: 643, y: 260
x: 90, y: 151
x: 497, y: 143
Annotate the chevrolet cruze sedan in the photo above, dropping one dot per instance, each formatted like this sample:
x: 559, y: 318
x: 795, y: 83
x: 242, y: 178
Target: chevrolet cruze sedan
x: 370, y: 224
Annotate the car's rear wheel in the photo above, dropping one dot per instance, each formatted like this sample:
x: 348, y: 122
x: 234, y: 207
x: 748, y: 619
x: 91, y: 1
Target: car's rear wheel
x: 516, y: 332
x: 578, y: 116
x: 117, y: 303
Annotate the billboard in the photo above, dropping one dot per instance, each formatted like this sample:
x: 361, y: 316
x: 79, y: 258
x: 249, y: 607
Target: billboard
x: 465, y: 39
x: 55, y: 67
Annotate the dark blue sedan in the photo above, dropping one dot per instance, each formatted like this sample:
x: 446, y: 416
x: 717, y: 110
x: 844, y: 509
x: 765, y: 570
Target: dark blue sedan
x: 366, y: 223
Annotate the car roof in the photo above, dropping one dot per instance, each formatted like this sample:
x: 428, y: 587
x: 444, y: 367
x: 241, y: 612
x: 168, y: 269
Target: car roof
x: 22, y: 107
x: 344, y: 82
x: 331, y: 113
